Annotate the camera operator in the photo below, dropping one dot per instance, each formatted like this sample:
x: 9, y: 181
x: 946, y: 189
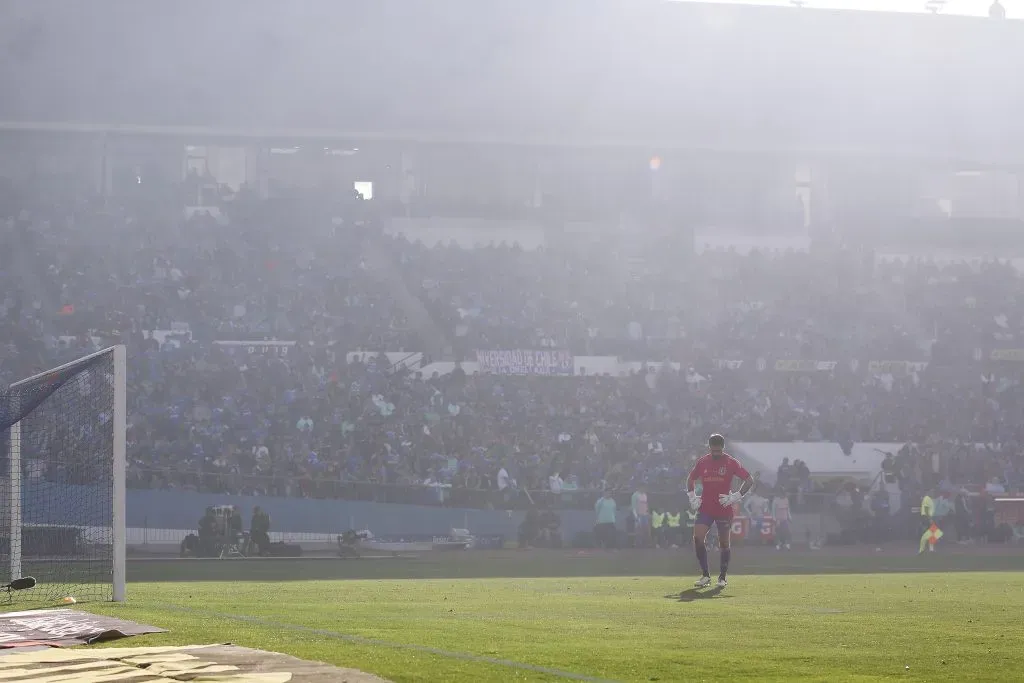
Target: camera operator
x: 541, y: 527
x: 259, y: 530
x: 208, y: 534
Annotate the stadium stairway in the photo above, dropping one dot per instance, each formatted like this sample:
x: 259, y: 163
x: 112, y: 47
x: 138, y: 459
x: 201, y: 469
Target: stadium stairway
x: 381, y: 265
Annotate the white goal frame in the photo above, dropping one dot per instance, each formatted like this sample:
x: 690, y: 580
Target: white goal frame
x: 120, y: 409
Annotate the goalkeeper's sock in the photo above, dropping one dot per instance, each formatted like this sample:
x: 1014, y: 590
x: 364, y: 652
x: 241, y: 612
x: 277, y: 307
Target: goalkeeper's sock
x: 726, y: 556
x: 702, y: 556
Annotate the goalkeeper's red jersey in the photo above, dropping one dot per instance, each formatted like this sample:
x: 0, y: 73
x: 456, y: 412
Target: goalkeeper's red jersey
x: 716, y: 477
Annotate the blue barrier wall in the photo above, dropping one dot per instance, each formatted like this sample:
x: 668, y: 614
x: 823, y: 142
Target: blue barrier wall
x: 57, y: 504
x: 61, y: 504
x: 182, y: 510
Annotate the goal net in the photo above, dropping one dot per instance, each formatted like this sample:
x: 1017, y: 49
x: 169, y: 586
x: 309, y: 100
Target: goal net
x: 62, y: 482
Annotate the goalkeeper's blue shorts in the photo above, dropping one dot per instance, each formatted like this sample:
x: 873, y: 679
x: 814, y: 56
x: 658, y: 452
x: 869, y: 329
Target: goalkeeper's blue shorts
x: 706, y: 519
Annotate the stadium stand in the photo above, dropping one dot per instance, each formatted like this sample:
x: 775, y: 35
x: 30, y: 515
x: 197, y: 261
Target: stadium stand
x: 286, y: 338
x: 294, y: 412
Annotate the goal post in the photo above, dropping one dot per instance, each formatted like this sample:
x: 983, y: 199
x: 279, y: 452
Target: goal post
x: 119, y: 532
x: 62, y: 508
x: 13, y: 494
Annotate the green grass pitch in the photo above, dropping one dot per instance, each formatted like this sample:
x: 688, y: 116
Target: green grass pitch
x: 547, y: 615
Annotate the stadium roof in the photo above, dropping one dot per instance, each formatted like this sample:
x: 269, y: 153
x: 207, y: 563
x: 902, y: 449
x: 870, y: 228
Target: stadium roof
x: 551, y: 71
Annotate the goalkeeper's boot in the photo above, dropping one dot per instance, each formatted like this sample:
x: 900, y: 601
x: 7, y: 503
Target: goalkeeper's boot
x: 722, y: 583
x: 702, y: 582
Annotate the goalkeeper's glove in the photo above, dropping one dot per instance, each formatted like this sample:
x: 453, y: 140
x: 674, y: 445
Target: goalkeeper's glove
x: 730, y: 499
x: 694, y: 500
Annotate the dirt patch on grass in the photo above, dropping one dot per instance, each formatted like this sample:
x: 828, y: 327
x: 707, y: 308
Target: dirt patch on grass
x: 229, y: 664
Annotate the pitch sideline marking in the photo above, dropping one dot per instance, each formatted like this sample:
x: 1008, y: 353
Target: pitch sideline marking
x: 360, y: 640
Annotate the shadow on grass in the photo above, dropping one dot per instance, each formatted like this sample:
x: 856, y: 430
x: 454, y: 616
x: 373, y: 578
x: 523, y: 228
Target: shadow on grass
x: 513, y: 564
x: 693, y: 594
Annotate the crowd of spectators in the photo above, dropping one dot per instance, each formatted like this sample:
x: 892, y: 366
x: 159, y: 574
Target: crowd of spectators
x: 308, y: 420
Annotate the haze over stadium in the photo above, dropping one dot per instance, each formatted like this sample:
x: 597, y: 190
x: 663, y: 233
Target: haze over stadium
x: 1012, y: 9
x: 471, y: 341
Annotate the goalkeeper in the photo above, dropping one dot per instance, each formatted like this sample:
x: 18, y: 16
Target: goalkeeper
x: 715, y: 471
